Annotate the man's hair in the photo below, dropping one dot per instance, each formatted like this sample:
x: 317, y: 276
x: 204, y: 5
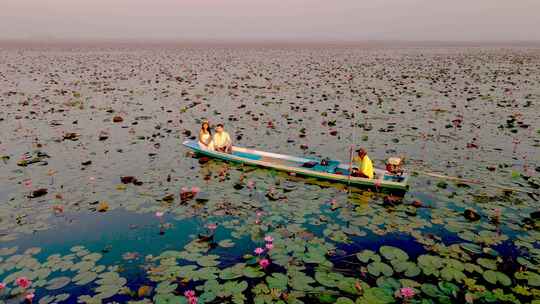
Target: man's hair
x: 219, y: 125
x: 361, y: 151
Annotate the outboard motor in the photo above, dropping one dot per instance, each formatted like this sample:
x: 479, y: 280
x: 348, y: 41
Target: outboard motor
x: 394, y: 166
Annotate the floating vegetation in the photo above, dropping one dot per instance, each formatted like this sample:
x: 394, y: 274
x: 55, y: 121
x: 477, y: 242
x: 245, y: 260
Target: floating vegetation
x: 99, y: 203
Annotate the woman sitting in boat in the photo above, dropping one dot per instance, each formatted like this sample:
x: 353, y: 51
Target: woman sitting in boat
x: 364, y: 165
x: 205, y: 136
x: 222, y: 141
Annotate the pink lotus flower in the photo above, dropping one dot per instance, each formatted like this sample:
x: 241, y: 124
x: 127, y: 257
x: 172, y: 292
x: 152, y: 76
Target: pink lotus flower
x: 159, y: 213
x: 259, y: 250
x: 195, y: 190
x: 407, y: 292
x: 268, y: 239
x: 23, y: 282
x: 264, y: 263
x: 29, y: 297
x: 2, y: 285
x: 259, y: 213
x: 212, y: 226
x: 91, y: 178
x: 190, y: 295
x: 28, y: 183
x: 269, y: 246
x: 184, y: 190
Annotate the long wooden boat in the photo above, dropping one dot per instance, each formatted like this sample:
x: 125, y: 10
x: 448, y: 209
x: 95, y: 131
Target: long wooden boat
x: 335, y: 170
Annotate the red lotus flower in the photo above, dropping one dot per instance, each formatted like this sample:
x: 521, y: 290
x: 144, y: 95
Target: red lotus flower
x: 23, y: 282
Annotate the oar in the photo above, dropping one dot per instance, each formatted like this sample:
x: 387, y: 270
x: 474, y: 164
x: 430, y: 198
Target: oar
x: 473, y: 181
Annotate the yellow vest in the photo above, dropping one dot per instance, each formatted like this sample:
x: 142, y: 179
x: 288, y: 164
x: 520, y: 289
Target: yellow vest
x: 365, y: 165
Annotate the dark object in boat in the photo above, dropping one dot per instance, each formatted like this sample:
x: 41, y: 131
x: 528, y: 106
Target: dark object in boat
x: 204, y: 160
x: 471, y: 215
x: 309, y: 164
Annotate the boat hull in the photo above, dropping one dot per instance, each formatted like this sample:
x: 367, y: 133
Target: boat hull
x: 292, y: 164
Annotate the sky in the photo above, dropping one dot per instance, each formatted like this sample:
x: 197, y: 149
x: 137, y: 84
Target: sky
x: 265, y: 20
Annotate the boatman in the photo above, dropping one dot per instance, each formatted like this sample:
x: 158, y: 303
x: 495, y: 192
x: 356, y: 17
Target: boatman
x: 364, y: 165
x: 222, y: 141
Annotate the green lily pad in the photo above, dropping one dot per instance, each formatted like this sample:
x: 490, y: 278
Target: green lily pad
x: 233, y: 272
x: 169, y: 299
x: 84, y: 278
x: 226, y: 243
x: 166, y: 288
x: 343, y: 300
x: 376, y: 295
x: 449, y: 288
x: 58, y: 283
x: 450, y: 273
x: 393, y: 253
x: 61, y: 297
x: 487, y: 263
x: 253, y: 272
x: 368, y: 255
x: 348, y: 285
x: 431, y: 290
x: 300, y: 281
x: 234, y: 287
x: 328, y: 279
x: 495, y: 277
x: 430, y: 264
x: 409, y: 269
x: 378, y: 268
x: 278, y: 281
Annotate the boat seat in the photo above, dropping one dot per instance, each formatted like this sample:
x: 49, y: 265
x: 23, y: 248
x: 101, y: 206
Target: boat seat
x: 330, y: 168
x: 393, y: 178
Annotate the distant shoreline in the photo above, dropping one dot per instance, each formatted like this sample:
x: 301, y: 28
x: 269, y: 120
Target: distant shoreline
x: 259, y: 44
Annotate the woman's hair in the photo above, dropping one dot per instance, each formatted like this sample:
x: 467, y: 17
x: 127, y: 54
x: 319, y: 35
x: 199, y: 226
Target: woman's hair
x: 207, y: 127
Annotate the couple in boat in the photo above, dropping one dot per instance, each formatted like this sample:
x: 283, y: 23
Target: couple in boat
x: 221, y: 141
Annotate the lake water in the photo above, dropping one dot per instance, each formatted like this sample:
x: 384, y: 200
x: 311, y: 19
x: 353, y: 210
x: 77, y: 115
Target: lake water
x: 74, y: 121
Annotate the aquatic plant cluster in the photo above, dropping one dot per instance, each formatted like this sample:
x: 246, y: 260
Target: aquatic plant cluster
x: 100, y: 203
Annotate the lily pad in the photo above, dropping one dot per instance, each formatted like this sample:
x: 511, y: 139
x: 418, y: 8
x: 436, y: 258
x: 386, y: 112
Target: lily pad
x: 58, y: 283
x: 378, y: 268
x: 277, y: 281
x: 252, y: 272
x: 393, y: 253
x: 495, y: 277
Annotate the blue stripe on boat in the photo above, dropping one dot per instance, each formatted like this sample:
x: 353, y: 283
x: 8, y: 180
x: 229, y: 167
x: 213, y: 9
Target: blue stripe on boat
x: 247, y: 155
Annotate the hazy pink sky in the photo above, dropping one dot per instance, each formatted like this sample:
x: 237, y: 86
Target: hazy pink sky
x: 313, y: 20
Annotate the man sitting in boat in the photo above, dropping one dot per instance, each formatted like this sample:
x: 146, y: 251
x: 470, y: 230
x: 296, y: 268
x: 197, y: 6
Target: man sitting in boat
x: 364, y: 165
x: 222, y: 141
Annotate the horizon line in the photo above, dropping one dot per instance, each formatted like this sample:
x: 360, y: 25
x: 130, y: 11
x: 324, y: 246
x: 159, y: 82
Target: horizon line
x: 150, y: 42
